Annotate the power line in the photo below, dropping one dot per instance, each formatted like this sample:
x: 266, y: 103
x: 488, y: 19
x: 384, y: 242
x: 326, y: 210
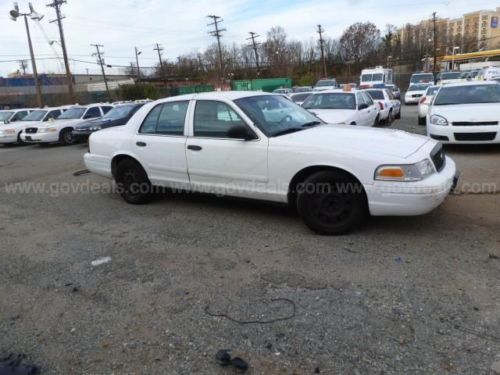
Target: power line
x: 254, y: 46
x: 217, y: 32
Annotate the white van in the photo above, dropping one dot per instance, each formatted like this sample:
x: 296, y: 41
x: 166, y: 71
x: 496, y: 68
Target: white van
x: 487, y: 74
x: 375, y: 77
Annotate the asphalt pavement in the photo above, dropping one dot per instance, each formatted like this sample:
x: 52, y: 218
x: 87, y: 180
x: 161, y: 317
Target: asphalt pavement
x: 183, y: 277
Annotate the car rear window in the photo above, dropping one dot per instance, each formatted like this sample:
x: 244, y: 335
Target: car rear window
x: 300, y: 97
x: 473, y: 94
x: 418, y: 78
x: 376, y: 94
x: 331, y: 101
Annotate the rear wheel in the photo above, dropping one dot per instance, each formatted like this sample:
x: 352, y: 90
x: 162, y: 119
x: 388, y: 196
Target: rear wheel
x: 398, y: 116
x: 422, y: 121
x: 133, y: 182
x: 331, y: 202
x: 390, y: 118
x: 66, y: 137
x: 377, y: 121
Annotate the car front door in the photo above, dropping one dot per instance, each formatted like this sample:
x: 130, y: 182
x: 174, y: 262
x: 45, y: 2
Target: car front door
x: 221, y: 162
x: 160, y: 144
x: 362, y: 110
x: 372, y: 110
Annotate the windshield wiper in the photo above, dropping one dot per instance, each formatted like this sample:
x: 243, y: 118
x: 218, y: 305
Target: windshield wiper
x: 287, y: 131
x: 311, y: 124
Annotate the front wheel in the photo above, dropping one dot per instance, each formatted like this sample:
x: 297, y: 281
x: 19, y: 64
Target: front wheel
x: 331, y: 202
x: 377, y: 121
x: 398, y: 116
x: 422, y: 121
x: 66, y: 137
x: 133, y: 182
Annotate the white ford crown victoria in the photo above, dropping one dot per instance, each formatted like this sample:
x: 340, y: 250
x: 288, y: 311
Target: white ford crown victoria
x: 265, y: 147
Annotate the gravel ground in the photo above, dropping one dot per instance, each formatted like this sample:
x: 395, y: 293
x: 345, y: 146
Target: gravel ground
x: 192, y: 274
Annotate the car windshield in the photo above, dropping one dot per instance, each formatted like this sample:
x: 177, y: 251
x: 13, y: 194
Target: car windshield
x: 418, y: 87
x: 119, y: 112
x: 336, y: 100
x: 431, y: 90
x: 376, y: 94
x: 300, y: 97
x: 72, y: 113
x: 5, y: 115
x: 417, y: 78
x: 473, y: 94
x: 37, y: 115
x: 378, y: 77
x: 366, y: 77
x: 449, y: 75
x: 275, y: 115
x: 324, y: 83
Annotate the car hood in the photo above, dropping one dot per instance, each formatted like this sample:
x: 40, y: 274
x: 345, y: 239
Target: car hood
x: 468, y: 112
x: 101, y: 122
x: 59, y: 123
x: 334, y: 116
x: 396, y: 143
x: 20, y: 124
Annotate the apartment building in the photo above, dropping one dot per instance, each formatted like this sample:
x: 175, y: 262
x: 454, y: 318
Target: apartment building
x: 474, y: 31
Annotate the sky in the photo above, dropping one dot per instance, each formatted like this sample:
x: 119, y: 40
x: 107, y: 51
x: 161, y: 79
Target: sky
x: 180, y: 26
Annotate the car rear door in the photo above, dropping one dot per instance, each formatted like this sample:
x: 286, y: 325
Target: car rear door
x: 160, y: 144
x: 218, y: 163
x: 372, y: 111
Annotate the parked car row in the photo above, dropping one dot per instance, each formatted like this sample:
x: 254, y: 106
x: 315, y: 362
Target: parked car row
x: 64, y: 125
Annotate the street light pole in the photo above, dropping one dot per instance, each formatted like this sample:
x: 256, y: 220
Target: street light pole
x: 137, y: 53
x: 14, y: 14
x: 453, y: 58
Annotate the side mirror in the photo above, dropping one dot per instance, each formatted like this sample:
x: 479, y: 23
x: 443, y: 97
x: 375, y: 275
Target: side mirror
x: 241, y: 132
x: 6, y: 122
x: 362, y: 106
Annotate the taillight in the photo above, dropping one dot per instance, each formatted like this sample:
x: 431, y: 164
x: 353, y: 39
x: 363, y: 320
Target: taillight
x: 381, y: 105
x: 422, y: 101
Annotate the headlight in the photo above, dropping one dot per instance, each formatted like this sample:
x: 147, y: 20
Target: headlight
x: 7, y: 131
x: 406, y: 173
x: 438, y: 120
x: 95, y: 128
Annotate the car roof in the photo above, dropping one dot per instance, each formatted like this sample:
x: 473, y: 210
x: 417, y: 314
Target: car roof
x: 471, y: 83
x: 214, y: 95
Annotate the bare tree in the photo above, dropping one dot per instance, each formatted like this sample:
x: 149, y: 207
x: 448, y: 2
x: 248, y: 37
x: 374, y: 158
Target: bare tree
x: 359, y: 41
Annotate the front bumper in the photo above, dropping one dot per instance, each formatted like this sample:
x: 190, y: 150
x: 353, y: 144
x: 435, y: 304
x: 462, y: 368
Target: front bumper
x: 412, y: 198
x: 40, y: 137
x: 464, y: 134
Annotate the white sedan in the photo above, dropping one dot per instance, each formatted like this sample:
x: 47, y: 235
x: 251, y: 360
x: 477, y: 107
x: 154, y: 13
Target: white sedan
x: 229, y: 143
x: 425, y: 102
x: 390, y: 108
x: 61, y: 129
x: 12, y: 132
x: 344, y: 107
x: 415, y: 92
x: 466, y: 113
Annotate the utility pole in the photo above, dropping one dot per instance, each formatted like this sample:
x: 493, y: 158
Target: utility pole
x: 322, y: 47
x: 137, y: 53
x: 100, y: 61
x: 434, y: 32
x: 159, y: 49
x: 56, y: 4
x: 218, y: 34
x: 254, y: 46
x: 23, y: 65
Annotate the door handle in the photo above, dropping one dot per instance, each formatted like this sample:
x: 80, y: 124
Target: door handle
x: 141, y: 144
x: 194, y: 148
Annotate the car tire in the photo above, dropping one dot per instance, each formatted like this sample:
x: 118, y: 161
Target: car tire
x: 422, y: 121
x: 331, y: 202
x: 377, y: 121
x: 398, y: 116
x: 66, y: 137
x: 133, y: 182
x: 19, y: 139
x: 390, y: 118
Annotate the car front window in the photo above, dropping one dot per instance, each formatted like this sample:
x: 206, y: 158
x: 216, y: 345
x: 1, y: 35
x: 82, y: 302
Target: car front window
x: 474, y: 94
x: 275, y: 115
x: 378, y: 77
x: 325, y: 83
x: 5, y: 115
x: 454, y: 75
x: 366, y: 77
x: 376, y: 94
x: 418, y: 88
x: 72, y: 113
x: 119, y: 112
x: 35, y: 116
